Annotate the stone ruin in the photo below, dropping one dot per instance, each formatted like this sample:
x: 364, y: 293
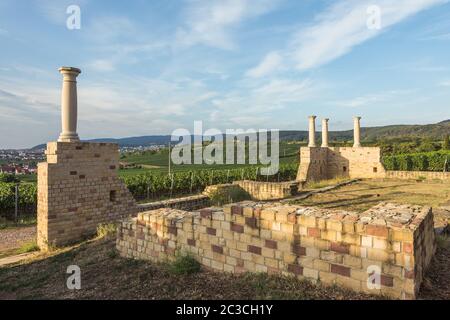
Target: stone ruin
x: 384, y: 250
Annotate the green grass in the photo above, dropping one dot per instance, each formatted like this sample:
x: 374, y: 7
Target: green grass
x: 28, y: 247
x: 22, y: 222
x: 184, y: 264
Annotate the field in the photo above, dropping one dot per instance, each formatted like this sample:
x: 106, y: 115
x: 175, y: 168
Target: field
x: 367, y: 193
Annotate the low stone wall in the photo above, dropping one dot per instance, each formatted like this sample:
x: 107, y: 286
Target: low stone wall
x: 429, y: 175
x: 258, y: 190
x: 269, y: 190
x: 384, y: 250
x: 186, y: 203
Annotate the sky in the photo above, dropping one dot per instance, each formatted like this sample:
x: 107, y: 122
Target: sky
x: 150, y: 67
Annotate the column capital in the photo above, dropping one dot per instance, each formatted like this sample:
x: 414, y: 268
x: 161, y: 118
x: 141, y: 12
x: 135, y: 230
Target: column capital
x: 357, y: 118
x: 312, y: 117
x: 73, y: 70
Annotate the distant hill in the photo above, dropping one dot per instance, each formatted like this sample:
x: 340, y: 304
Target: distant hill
x: 433, y: 131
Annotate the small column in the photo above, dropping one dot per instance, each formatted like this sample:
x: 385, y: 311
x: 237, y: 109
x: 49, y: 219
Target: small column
x: 325, y: 133
x: 312, y: 131
x: 356, y: 132
x: 69, y: 104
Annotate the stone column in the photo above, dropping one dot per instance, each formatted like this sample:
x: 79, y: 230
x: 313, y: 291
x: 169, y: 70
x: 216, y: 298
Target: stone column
x: 356, y: 132
x: 69, y: 104
x: 325, y: 133
x: 312, y: 131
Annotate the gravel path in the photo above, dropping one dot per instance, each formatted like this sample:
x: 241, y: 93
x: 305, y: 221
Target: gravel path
x: 15, y: 237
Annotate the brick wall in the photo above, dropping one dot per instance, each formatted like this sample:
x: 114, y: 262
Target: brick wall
x: 336, y: 247
x: 326, y: 163
x: 78, y: 188
x: 418, y: 175
x: 258, y: 190
x: 186, y: 203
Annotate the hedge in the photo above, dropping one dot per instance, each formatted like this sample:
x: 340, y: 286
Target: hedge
x: 426, y: 161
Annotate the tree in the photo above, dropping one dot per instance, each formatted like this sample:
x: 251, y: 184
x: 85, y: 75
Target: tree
x: 446, y: 143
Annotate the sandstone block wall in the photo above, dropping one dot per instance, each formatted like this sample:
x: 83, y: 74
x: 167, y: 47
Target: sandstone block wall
x: 428, y: 175
x: 78, y: 188
x: 389, y: 245
x: 258, y: 190
x: 320, y: 163
x: 186, y: 203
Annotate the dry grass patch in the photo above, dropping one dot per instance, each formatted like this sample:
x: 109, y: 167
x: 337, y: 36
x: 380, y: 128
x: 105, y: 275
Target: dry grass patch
x: 367, y: 193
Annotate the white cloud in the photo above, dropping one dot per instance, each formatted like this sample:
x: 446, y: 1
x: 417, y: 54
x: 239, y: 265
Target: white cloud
x: 271, y: 62
x: 102, y: 65
x: 371, y: 99
x: 344, y: 25
x: 211, y: 22
x: 445, y: 83
x: 254, y: 105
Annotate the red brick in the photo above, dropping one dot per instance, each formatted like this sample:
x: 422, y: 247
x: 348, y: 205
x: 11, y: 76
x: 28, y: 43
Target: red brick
x: 217, y: 249
x: 237, y: 228
x: 387, y: 281
x: 409, y: 274
x: 140, y: 235
x: 340, y: 247
x: 254, y: 249
x: 407, y: 247
x: 271, y: 244
x: 314, y: 232
x: 251, y: 222
x: 211, y: 231
x: 295, y: 269
x: 191, y: 242
x: 172, y: 230
x: 343, y: 271
x: 298, y: 250
x: 237, y: 210
x: 378, y: 231
x: 206, y: 213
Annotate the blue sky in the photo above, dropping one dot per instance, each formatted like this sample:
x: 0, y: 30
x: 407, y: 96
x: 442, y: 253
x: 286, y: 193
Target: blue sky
x: 149, y: 67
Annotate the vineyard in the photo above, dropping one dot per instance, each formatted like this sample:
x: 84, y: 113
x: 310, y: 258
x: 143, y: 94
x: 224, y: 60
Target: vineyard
x: 155, y: 184
x: 425, y: 161
x: 150, y: 185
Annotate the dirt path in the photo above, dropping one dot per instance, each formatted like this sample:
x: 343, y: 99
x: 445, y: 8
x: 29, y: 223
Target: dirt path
x: 13, y: 238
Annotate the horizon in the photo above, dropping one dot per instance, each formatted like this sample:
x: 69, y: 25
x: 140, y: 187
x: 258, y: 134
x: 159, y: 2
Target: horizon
x: 155, y: 67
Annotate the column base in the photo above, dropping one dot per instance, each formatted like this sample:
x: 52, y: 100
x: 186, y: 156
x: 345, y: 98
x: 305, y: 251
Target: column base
x: 68, y: 137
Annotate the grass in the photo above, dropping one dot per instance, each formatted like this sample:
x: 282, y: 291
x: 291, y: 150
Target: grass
x: 106, y: 230
x: 28, y: 247
x: 106, y: 275
x: 325, y: 183
x: 22, y: 222
x: 367, y: 193
x: 184, y: 264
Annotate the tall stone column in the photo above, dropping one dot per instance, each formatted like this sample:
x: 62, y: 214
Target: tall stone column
x: 69, y: 104
x: 325, y: 133
x: 356, y: 132
x: 312, y: 131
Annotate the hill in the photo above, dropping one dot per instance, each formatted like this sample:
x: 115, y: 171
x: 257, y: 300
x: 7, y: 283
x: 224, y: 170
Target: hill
x: 432, y: 131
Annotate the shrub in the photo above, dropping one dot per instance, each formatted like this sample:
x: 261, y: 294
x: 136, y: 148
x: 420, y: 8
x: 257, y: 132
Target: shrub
x: 229, y: 194
x: 184, y: 264
x: 106, y: 230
